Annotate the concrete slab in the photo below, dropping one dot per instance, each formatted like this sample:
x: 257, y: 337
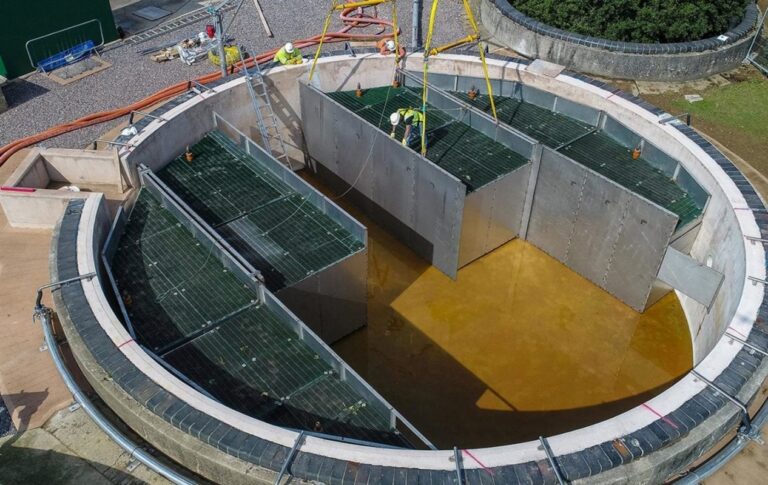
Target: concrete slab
x: 70, y: 448
x: 29, y: 383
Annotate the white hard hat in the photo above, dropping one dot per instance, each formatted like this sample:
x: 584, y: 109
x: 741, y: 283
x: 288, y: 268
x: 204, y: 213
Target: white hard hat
x: 390, y: 45
x: 394, y: 118
x: 288, y: 47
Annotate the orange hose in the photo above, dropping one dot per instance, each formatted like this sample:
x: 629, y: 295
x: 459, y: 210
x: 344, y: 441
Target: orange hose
x: 351, y: 21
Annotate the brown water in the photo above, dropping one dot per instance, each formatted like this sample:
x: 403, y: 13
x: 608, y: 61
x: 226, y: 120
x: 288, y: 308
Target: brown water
x: 517, y: 347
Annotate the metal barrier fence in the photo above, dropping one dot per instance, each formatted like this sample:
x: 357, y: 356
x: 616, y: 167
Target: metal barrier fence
x: 62, y: 40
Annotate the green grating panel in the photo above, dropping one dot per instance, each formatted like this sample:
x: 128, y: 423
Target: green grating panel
x: 550, y: 128
x: 603, y: 155
x: 296, y: 249
x: 467, y: 154
x: 178, y: 294
x: 597, y: 151
x: 172, y: 285
x: 282, y: 234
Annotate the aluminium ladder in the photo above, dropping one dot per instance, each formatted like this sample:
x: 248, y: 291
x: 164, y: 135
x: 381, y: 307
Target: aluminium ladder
x: 271, y: 139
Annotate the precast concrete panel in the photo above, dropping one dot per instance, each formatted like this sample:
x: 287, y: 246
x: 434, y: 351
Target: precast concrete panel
x: 538, y: 97
x: 659, y: 159
x: 623, y: 135
x: 333, y: 302
x: 555, y: 203
x: 596, y: 228
x: 604, y: 232
x: 640, y: 248
x: 492, y: 215
x: 578, y: 111
x: 409, y: 188
x: 438, y: 207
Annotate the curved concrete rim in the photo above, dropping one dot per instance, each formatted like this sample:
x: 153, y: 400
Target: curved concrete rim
x: 710, y: 367
x: 745, y: 25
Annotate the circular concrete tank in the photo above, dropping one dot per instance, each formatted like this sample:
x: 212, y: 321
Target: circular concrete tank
x: 679, y: 61
x: 648, y: 443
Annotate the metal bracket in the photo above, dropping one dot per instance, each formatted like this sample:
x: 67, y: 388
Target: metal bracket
x: 746, y: 423
x: 111, y: 143
x: 348, y: 48
x: 551, y: 458
x: 754, y: 239
x: 457, y: 459
x: 147, y: 115
x: 747, y: 344
x: 289, y: 458
x: 672, y: 118
x: 756, y: 280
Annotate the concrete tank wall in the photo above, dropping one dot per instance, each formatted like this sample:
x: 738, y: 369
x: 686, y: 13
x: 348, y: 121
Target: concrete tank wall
x: 654, y: 451
x: 649, y: 62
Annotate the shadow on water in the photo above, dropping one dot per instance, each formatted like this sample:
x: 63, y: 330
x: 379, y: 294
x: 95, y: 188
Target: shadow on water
x: 440, y: 368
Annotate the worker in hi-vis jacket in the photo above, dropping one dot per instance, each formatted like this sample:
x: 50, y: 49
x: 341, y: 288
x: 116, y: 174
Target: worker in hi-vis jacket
x: 413, y: 118
x: 288, y: 54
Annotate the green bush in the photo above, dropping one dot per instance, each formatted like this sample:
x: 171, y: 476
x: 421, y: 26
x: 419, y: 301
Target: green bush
x: 649, y: 21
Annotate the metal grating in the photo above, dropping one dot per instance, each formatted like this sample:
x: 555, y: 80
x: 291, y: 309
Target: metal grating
x: 550, y: 128
x: 184, y: 304
x: 166, y: 298
x: 279, y: 231
x: 467, y: 154
x: 597, y: 151
x: 603, y: 155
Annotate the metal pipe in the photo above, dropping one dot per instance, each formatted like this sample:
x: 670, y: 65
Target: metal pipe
x: 288, y: 459
x: 746, y: 344
x: 744, y: 413
x: 416, y: 27
x: 39, y: 299
x: 733, y: 448
x: 220, y: 47
x: 44, y: 314
x: 551, y: 458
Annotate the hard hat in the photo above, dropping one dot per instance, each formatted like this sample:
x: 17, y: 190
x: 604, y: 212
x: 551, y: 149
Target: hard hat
x: 390, y: 45
x: 394, y: 118
x: 288, y: 48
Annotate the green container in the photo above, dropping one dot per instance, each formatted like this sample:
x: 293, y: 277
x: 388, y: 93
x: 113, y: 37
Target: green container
x: 3, y: 71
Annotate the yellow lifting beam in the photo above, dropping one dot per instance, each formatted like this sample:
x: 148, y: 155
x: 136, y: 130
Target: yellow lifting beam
x: 429, y: 51
x: 335, y: 6
x: 365, y: 3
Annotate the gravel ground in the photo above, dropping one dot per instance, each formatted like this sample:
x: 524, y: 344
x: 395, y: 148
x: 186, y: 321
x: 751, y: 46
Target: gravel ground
x: 38, y: 103
x: 6, y: 426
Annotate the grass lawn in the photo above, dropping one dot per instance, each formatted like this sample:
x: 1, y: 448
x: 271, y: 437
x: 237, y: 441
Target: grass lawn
x: 736, y: 114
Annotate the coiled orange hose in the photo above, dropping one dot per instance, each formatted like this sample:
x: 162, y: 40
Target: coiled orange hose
x: 352, y: 18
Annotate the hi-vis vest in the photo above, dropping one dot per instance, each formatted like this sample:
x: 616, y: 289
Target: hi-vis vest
x: 415, y: 115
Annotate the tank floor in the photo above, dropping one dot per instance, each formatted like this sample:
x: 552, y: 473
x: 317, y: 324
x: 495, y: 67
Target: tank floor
x: 517, y: 347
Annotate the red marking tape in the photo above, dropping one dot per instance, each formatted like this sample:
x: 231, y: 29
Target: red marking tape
x: 17, y: 189
x: 469, y: 454
x: 663, y: 418
x: 124, y: 343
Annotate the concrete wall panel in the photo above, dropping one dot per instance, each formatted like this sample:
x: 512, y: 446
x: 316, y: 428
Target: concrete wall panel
x: 554, y: 204
x: 421, y: 196
x: 598, y: 225
x: 604, y: 232
x: 640, y: 248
